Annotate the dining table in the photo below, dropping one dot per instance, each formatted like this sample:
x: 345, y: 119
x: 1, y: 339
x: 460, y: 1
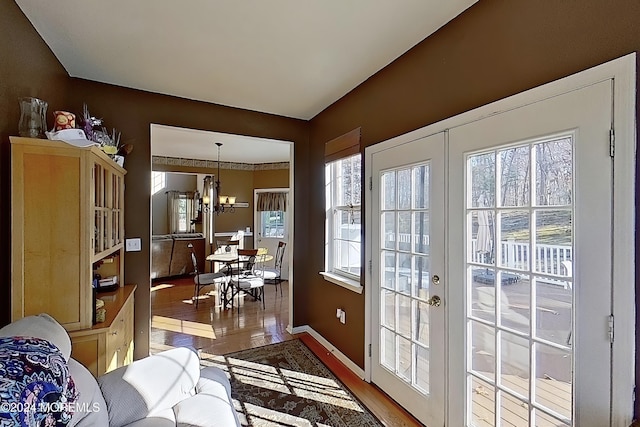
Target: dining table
x: 229, y: 258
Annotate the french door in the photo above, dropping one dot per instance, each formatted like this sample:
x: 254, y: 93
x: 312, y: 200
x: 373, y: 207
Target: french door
x: 492, y: 265
x: 408, y: 264
x: 531, y: 251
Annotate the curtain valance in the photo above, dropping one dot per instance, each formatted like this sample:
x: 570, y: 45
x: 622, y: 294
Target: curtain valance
x: 272, y: 201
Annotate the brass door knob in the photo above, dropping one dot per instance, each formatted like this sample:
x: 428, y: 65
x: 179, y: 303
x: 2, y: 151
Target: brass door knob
x: 434, y: 301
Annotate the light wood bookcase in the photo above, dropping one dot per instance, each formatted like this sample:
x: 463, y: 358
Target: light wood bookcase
x: 67, y: 222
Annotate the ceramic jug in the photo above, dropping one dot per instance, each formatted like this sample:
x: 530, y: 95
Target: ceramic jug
x: 33, y: 122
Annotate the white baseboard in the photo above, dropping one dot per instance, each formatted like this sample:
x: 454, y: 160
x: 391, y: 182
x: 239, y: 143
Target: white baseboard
x: 326, y: 344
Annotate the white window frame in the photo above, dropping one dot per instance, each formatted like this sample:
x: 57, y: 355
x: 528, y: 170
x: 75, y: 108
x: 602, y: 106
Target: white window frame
x: 158, y: 181
x: 279, y: 227
x: 332, y: 273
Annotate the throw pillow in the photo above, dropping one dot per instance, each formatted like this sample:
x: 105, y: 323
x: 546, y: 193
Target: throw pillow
x: 40, y: 326
x: 35, y: 386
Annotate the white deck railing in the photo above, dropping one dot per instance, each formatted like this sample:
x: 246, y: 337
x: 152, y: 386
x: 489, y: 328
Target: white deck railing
x: 548, y: 259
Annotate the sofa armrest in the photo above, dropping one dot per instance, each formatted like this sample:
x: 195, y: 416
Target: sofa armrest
x: 151, y: 385
x: 212, y: 406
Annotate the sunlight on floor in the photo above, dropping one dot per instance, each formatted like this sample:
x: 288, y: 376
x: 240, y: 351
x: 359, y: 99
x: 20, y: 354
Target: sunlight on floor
x: 183, y: 326
x: 265, y: 417
x: 161, y: 286
x: 285, y: 381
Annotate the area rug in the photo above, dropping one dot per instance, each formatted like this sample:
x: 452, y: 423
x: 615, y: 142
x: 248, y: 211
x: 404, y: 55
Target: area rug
x: 285, y: 384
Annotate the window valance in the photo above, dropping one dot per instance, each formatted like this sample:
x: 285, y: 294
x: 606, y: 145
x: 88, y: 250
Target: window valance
x: 343, y: 146
x: 272, y: 201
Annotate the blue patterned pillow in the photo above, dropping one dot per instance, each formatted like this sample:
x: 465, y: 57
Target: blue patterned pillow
x: 35, y: 386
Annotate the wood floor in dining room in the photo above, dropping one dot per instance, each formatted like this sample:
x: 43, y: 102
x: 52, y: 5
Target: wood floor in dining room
x: 176, y: 322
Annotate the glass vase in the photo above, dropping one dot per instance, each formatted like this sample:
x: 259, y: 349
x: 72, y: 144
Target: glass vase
x: 33, y: 113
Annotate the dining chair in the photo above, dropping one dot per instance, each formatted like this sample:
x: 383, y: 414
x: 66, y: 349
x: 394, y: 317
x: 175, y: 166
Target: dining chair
x: 245, y: 277
x: 204, y: 279
x: 274, y: 275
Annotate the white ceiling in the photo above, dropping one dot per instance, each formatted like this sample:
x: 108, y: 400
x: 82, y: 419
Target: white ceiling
x: 292, y: 58
x: 198, y: 144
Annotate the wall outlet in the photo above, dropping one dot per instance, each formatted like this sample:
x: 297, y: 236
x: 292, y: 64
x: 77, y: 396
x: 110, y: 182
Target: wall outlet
x: 133, y: 245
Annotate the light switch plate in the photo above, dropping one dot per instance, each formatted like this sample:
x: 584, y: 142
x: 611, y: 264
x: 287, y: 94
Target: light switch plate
x: 133, y: 245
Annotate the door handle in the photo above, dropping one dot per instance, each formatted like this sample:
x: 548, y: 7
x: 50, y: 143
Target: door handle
x: 434, y: 301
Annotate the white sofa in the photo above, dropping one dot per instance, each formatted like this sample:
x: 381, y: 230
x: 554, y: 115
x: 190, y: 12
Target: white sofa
x: 166, y: 389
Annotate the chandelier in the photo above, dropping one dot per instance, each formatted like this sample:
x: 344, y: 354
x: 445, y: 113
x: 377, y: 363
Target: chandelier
x: 223, y: 203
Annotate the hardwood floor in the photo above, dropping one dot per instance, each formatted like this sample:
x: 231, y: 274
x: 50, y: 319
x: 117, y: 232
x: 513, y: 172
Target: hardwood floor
x: 214, y: 330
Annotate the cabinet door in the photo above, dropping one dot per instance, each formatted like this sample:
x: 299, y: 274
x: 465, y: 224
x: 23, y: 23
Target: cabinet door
x: 50, y: 260
x: 90, y: 351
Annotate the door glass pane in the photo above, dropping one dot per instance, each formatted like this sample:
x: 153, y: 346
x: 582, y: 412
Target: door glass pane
x: 515, y: 239
x: 553, y: 378
x: 405, y: 259
x: 554, y: 172
x: 422, y: 369
x: 483, y: 344
x: 515, y: 301
x: 519, y: 240
x: 482, y: 403
x: 387, y: 310
x: 422, y: 323
x: 388, y: 261
x: 404, y: 189
x: 421, y: 193
x: 514, y: 359
x: 404, y: 231
x: 404, y: 359
x: 404, y: 315
x: 513, y: 411
x: 554, y: 312
x: 482, y: 171
x: 388, y: 349
x: 514, y: 177
x: 388, y: 199
x: 421, y: 232
x: 482, y: 230
x: 389, y: 230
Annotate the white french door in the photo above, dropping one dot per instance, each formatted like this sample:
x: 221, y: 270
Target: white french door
x: 408, y: 264
x: 509, y: 218
x: 531, y: 249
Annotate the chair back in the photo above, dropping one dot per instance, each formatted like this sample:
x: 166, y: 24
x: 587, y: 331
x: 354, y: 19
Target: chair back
x: 194, y: 259
x: 280, y: 254
x: 227, y: 245
x: 249, y: 261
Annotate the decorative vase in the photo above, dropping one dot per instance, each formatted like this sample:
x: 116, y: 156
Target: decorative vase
x: 33, y: 120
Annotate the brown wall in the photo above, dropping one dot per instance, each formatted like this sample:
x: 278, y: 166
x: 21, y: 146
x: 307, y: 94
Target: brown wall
x: 27, y: 68
x: 493, y: 50
x: 277, y: 178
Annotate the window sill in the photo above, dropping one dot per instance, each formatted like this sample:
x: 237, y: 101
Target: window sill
x: 346, y: 283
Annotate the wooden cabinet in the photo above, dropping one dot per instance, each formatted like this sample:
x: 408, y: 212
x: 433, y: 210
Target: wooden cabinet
x: 109, y: 344
x: 67, y: 223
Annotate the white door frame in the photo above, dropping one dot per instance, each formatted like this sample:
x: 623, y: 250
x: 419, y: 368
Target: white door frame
x: 256, y: 220
x: 623, y: 72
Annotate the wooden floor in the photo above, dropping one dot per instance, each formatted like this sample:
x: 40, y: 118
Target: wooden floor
x: 176, y: 322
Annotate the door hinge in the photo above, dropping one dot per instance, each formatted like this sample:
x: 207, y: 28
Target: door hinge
x: 612, y: 143
x: 370, y: 266
x: 369, y: 350
x: 370, y: 183
x: 610, y: 320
